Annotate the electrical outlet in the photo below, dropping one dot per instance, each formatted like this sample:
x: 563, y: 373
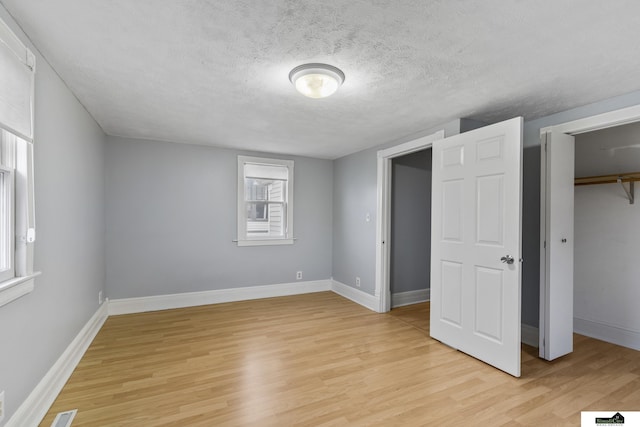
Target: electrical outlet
x: 357, y: 282
x: 1, y: 405
x: 100, y: 299
x: 299, y: 275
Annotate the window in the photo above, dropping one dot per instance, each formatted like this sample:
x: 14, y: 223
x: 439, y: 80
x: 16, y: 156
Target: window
x: 265, y: 201
x: 17, y: 230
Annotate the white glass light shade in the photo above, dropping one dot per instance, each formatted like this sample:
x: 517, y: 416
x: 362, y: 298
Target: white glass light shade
x: 316, y: 80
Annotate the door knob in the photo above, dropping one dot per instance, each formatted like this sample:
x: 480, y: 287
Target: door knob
x: 508, y: 259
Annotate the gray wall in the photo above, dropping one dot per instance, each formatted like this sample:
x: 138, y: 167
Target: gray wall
x: 410, y: 252
x: 355, y: 187
x: 354, y: 238
x: 69, y: 251
x: 171, y: 219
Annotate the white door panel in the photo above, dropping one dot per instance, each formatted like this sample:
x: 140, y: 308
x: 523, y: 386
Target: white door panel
x: 557, y: 291
x: 490, y: 210
x: 476, y: 221
x: 451, y: 286
x: 488, y: 295
x: 452, y: 210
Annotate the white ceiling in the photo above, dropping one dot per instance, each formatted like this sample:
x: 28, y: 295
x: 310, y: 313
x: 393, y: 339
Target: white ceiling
x: 216, y: 72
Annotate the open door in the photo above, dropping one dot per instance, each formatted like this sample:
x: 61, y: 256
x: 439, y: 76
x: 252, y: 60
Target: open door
x: 556, y: 267
x: 476, y: 243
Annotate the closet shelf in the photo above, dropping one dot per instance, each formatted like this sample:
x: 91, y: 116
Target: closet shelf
x: 612, y: 179
x: 608, y: 179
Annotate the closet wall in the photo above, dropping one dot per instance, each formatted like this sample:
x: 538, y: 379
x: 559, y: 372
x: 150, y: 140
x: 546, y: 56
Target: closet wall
x: 607, y: 239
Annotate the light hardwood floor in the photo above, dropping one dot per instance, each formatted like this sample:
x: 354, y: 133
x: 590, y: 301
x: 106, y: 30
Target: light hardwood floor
x: 319, y: 359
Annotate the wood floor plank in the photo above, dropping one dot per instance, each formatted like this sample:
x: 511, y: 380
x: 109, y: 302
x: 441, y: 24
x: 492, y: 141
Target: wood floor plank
x: 319, y: 359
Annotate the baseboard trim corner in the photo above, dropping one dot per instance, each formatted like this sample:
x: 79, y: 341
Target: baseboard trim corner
x: 609, y: 333
x: 35, y: 407
x: 400, y: 299
x: 218, y: 296
x: 356, y: 295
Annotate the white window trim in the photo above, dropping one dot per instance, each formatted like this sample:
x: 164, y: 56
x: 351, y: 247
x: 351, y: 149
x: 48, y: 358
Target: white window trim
x: 243, y: 239
x: 13, y: 289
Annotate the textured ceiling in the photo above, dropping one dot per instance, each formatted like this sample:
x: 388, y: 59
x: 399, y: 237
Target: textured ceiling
x: 216, y: 72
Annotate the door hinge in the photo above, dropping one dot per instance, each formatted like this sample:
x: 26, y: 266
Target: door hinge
x: 545, y: 244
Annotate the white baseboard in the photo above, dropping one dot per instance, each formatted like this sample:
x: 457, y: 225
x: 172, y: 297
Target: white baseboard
x: 36, y: 405
x: 356, y: 295
x: 400, y: 299
x: 192, y: 299
x: 529, y: 335
x: 609, y: 333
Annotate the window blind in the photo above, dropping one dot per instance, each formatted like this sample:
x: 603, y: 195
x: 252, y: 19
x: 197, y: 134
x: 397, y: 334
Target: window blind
x: 257, y: 170
x: 17, y: 70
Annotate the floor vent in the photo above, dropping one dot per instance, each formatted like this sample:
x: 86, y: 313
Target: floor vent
x: 63, y: 419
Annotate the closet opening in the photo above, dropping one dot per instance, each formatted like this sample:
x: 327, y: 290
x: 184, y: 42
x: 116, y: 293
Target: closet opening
x: 588, y: 232
x: 607, y: 235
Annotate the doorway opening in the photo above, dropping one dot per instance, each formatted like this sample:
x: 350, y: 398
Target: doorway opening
x: 384, y: 212
x: 410, y: 237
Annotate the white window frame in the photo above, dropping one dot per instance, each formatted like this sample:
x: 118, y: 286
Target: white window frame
x: 243, y: 238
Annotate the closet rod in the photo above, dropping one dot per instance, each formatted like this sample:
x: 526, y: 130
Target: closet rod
x: 608, y: 179
x: 631, y: 178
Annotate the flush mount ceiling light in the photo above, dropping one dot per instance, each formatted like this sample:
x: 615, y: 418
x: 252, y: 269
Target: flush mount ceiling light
x: 316, y: 80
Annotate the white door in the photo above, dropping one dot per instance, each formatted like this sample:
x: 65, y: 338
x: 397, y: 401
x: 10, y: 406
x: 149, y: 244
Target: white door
x: 476, y: 243
x: 556, y: 290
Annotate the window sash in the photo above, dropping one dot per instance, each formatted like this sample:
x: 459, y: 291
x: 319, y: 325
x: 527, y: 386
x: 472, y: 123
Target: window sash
x: 260, y: 232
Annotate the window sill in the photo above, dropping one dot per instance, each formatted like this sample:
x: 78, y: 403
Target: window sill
x: 265, y: 242
x: 13, y: 289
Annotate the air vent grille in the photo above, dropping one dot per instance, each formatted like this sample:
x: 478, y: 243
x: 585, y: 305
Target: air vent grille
x: 64, y: 419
